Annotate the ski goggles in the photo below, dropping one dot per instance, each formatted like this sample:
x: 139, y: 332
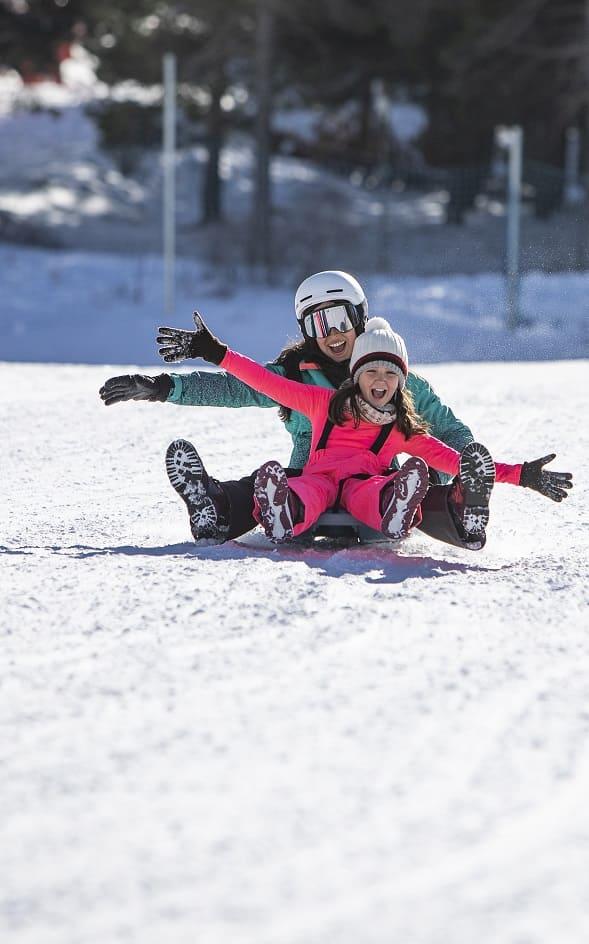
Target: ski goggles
x: 318, y: 323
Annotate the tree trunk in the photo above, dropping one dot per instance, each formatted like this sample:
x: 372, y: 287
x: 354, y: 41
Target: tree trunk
x: 261, y: 228
x: 211, y: 192
x: 365, y: 126
x: 585, y: 74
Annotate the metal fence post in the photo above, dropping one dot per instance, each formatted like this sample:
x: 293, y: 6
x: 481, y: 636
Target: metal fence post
x: 169, y: 201
x: 513, y: 228
x: 512, y: 140
x: 573, y: 191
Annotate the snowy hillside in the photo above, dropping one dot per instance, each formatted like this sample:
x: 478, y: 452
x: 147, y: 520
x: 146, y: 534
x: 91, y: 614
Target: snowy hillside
x: 97, y: 308
x: 242, y: 745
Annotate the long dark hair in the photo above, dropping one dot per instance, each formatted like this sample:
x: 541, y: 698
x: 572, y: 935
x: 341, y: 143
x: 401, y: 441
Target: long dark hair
x: 408, y: 421
x: 291, y: 357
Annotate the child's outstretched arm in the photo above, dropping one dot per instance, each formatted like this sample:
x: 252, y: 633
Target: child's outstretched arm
x: 177, y: 344
x: 553, y: 485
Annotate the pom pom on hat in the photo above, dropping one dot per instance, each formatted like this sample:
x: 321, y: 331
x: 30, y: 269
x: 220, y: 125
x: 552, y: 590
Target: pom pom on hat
x: 379, y: 346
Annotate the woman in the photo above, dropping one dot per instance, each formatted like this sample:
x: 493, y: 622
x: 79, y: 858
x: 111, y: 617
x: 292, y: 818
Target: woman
x: 223, y: 510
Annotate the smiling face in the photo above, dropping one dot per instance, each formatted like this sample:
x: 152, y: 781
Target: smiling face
x: 338, y: 345
x: 378, y: 385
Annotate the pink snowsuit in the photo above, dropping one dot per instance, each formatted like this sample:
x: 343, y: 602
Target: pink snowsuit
x: 347, y: 452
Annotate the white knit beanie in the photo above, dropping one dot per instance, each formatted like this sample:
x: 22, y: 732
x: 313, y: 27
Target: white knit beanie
x: 379, y: 346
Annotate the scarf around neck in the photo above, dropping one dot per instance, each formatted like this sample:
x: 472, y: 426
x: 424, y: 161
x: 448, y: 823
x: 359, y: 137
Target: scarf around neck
x: 372, y: 413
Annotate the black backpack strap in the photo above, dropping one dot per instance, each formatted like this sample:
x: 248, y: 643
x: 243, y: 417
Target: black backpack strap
x: 382, y: 437
x: 384, y: 433
x: 325, y: 434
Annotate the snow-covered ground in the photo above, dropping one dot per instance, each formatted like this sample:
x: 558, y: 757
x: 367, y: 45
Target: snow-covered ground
x: 245, y: 744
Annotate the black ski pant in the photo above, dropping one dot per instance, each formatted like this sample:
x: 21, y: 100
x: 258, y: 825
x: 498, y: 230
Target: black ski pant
x: 437, y: 520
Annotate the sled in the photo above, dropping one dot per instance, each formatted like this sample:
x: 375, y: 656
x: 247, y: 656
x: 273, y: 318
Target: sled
x: 334, y: 529
x: 343, y: 527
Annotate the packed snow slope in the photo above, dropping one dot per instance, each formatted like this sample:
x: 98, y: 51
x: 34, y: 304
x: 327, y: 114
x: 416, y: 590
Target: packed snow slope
x: 250, y: 745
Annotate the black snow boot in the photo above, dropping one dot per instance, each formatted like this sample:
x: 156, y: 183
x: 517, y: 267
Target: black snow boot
x: 208, y: 506
x: 469, y: 497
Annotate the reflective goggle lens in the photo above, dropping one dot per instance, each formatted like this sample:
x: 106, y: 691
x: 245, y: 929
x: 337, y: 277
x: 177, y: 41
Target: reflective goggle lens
x: 319, y: 323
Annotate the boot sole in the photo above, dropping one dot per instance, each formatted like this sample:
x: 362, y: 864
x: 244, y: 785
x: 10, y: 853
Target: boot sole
x: 271, y: 493
x: 185, y: 472
x: 477, y: 477
x: 411, y: 485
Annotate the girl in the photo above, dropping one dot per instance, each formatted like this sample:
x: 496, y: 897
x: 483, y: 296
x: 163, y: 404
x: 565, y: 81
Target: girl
x: 356, y: 433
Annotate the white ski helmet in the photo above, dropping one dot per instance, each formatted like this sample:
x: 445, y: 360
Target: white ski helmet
x: 330, y: 286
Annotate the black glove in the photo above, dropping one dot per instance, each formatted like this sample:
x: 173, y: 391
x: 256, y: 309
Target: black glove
x: 551, y: 484
x: 136, y: 387
x: 177, y: 345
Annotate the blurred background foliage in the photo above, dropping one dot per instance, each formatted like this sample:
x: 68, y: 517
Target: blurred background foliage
x: 470, y: 65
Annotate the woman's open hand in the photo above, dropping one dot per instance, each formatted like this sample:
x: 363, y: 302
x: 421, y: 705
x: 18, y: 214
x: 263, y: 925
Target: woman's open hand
x: 176, y: 344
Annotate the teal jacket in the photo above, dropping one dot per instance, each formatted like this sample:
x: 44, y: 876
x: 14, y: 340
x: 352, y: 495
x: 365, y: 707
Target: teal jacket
x: 218, y: 388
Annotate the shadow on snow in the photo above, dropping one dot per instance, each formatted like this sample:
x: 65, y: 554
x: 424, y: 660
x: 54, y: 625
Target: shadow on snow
x: 333, y: 561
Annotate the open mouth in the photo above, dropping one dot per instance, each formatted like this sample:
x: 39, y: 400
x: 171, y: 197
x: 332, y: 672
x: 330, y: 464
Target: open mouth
x: 378, y: 393
x: 337, y: 347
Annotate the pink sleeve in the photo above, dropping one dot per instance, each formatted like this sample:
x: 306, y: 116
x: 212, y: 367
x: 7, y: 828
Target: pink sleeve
x: 436, y: 453
x: 508, y: 473
x: 297, y: 396
x: 445, y: 459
